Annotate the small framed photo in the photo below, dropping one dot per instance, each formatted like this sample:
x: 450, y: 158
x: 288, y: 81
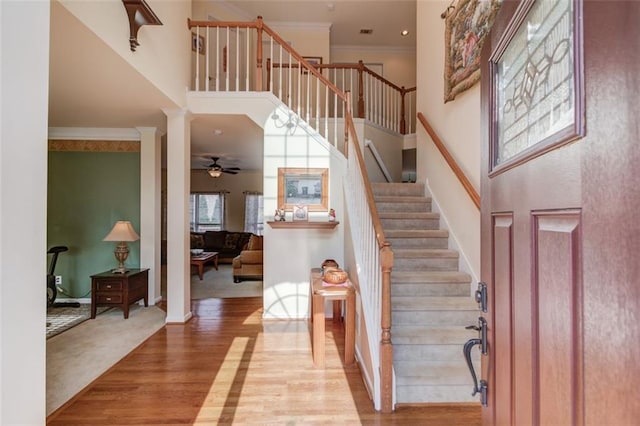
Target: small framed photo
x: 301, y: 212
x: 197, y: 43
x: 313, y: 60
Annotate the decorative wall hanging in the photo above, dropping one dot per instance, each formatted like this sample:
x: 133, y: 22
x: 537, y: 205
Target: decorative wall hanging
x: 466, y: 25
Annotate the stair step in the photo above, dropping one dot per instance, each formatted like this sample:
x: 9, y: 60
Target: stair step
x: 409, y: 221
x: 429, y: 277
x: 403, y: 204
x: 427, y: 372
x: 415, y: 189
x: 460, y: 318
x: 426, y: 259
x: 434, y: 303
x: 431, y: 238
x: 425, y: 352
x: 434, y: 394
x: 430, y: 283
x: 428, y: 335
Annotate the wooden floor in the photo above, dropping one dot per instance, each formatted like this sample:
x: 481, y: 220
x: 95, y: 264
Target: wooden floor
x: 227, y: 366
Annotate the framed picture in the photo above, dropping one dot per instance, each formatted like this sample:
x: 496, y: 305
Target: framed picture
x: 308, y: 187
x: 536, y: 83
x: 313, y: 60
x: 301, y: 212
x: 466, y: 25
x: 197, y: 43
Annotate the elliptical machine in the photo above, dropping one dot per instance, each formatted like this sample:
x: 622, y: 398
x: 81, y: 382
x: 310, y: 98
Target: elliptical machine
x: 52, y: 290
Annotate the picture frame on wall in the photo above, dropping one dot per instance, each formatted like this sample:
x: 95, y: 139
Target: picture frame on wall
x: 197, y: 43
x: 313, y: 60
x: 308, y: 186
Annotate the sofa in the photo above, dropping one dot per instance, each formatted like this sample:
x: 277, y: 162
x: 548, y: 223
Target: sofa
x: 248, y: 264
x: 228, y: 244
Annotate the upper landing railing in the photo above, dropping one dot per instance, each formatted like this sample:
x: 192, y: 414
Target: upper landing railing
x: 249, y: 56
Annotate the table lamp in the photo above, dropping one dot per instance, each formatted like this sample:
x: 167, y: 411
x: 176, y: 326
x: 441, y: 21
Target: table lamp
x: 122, y: 232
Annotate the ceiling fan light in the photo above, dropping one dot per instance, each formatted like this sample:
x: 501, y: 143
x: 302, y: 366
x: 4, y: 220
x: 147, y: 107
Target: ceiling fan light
x: 214, y: 172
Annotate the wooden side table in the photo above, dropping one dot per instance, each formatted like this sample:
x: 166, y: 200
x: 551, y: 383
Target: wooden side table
x: 320, y: 293
x: 202, y: 259
x: 121, y: 290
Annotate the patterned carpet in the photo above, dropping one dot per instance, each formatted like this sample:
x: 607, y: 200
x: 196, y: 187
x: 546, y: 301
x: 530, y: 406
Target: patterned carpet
x: 64, y: 318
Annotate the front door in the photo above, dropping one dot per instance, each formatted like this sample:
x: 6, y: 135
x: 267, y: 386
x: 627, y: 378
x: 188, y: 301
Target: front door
x: 560, y: 213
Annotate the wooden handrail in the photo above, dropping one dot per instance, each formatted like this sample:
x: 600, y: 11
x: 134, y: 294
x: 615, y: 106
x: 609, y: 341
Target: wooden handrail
x: 475, y: 197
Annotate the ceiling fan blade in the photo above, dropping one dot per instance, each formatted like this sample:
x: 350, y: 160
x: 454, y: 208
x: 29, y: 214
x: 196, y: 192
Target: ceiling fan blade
x: 232, y: 168
x: 229, y: 171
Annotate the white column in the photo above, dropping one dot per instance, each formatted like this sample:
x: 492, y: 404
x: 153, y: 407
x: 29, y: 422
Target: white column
x: 178, y: 187
x: 24, y: 88
x: 150, y: 187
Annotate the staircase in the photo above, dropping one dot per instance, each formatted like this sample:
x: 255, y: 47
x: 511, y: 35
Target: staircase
x: 430, y: 300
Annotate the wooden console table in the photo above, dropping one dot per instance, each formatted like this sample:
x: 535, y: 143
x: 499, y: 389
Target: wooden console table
x: 337, y: 294
x: 121, y: 290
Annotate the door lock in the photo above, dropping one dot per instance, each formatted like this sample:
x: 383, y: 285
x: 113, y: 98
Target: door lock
x: 481, y: 296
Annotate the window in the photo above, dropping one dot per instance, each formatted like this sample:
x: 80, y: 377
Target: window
x: 207, y: 211
x: 253, y: 213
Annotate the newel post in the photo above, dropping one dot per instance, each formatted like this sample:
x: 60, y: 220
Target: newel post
x: 259, y: 54
x: 403, y: 122
x: 386, y: 347
x: 360, y: 89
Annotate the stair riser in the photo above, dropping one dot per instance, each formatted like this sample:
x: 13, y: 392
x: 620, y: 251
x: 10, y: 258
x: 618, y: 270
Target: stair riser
x: 435, y: 318
x: 410, y: 223
x: 413, y: 207
x: 426, y: 243
x: 424, y: 394
x: 431, y: 264
x: 425, y: 352
x: 418, y: 290
x: 454, y: 372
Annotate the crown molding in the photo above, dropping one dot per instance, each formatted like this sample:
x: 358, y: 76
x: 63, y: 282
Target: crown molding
x: 93, y: 133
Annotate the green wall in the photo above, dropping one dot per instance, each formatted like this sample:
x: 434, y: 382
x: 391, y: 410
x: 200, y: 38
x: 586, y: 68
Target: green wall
x: 87, y: 193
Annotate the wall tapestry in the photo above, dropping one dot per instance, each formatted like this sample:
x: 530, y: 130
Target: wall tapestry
x: 466, y: 25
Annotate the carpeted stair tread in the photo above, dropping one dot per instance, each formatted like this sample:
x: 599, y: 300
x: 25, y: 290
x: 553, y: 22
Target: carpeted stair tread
x: 397, y: 189
x: 425, y: 253
x: 402, y: 199
x: 429, y: 277
x: 434, y: 303
x: 416, y: 233
x: 409, y: 215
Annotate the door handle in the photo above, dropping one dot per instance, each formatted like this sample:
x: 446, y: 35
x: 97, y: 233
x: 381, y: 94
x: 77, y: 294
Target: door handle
x: 482, y: 329
x: 477, y: 387
x: 481, y: 296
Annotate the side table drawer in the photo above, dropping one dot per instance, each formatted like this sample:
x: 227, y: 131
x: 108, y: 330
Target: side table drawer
x: 104, y: 285
x: 109, y: 298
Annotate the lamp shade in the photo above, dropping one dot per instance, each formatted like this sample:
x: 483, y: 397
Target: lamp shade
x: 122, y: 231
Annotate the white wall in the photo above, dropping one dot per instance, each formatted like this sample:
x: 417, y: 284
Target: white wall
x: 289, y: 254
x: 163, y: 56
x: 458, y: 125
x: 24, y: 87
x: 399, y: 65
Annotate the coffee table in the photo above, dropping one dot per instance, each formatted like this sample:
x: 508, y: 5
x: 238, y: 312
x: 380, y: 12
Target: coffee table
x: 201, y: 259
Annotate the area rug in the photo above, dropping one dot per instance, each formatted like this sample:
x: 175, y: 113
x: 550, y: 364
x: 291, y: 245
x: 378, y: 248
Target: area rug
x: 219, y: 284
x: 63, y: 318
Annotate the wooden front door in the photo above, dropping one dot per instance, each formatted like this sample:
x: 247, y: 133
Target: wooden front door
x: 560, y: 213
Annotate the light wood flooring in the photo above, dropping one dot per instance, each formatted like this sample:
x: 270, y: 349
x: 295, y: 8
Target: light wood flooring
x: 227, y: 366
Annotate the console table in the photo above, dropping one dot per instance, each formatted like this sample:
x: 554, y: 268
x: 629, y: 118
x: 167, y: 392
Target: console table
x: 121, y: 290
x: 320, y: 293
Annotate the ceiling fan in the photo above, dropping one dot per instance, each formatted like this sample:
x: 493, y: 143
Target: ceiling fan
x: 215, y: 170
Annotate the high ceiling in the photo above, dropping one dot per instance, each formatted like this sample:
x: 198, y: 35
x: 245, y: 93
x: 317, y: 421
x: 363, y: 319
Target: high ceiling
x: 106, y: 92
